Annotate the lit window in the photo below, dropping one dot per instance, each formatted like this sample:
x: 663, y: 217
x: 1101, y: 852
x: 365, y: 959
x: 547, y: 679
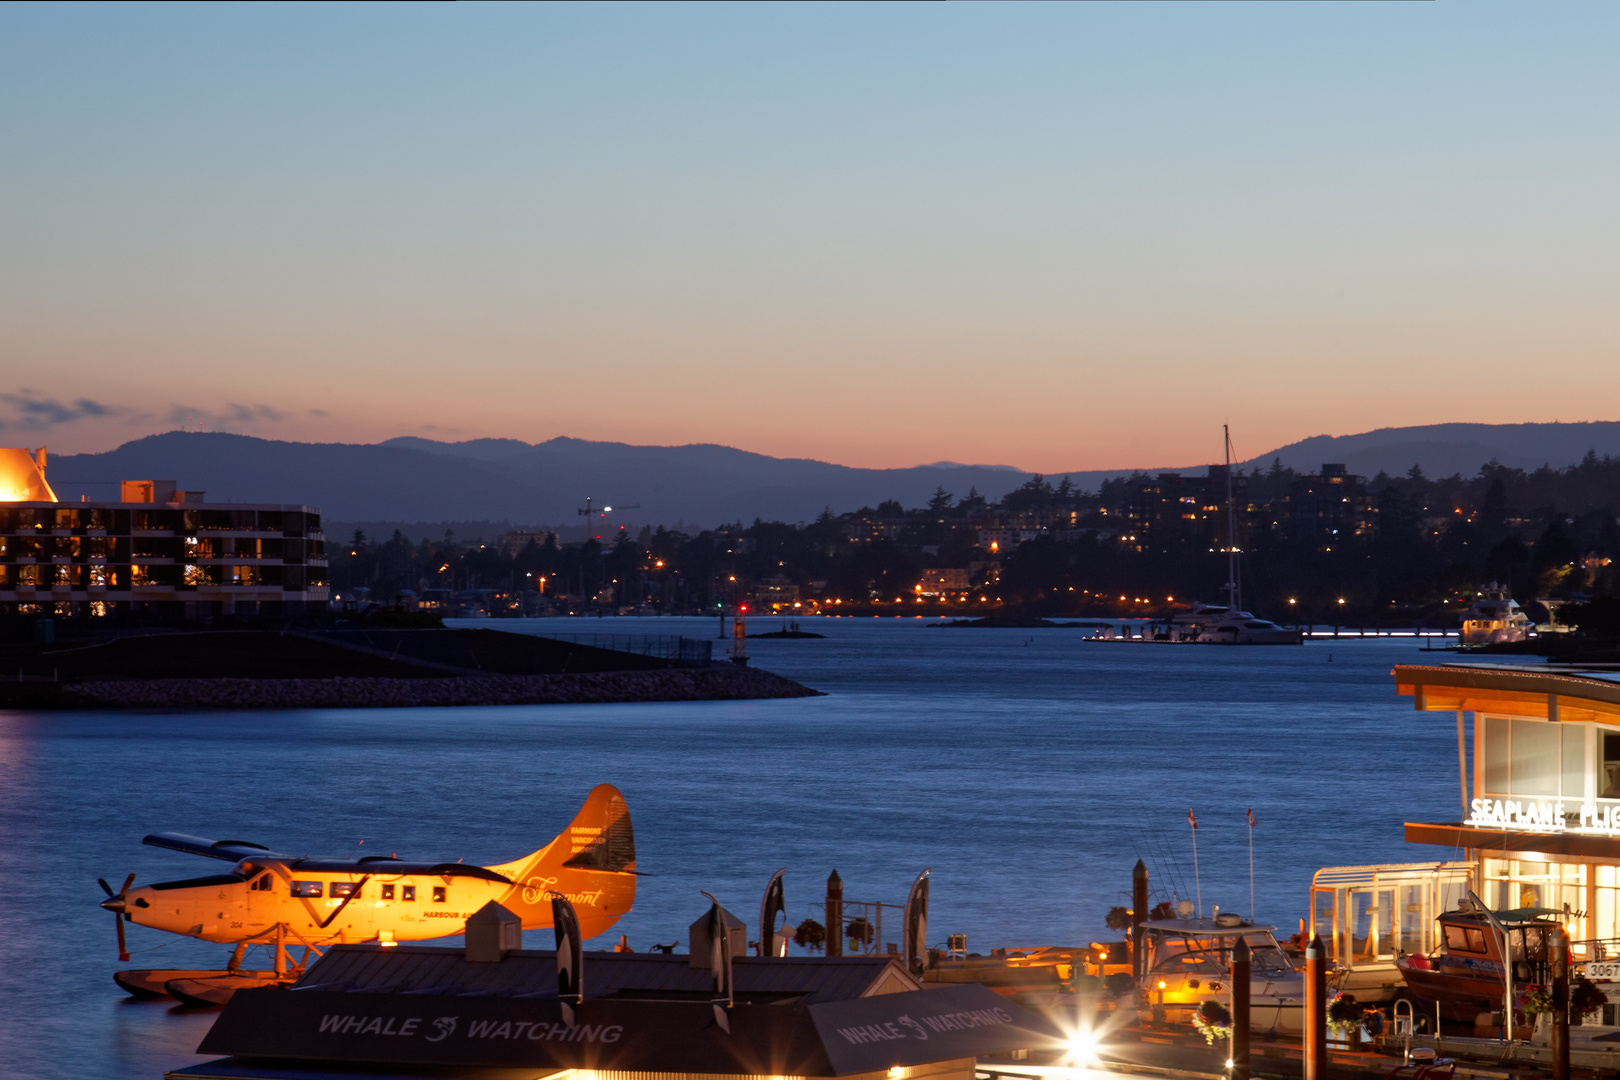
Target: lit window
x: 310, y: 889
x: 344, y: 889
x: 387, y: 892
x: 407, y: 893
x: 438, y: 894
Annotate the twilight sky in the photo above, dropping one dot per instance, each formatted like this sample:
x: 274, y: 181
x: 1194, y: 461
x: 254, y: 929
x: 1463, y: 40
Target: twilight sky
x: 1058, y: 237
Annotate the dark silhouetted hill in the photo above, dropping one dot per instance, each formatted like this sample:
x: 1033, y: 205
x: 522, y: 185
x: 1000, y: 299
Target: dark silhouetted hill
x: 419, y: 480
x: 499, y: 480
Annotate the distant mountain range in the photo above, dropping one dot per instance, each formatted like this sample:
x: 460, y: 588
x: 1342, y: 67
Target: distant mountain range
x: 505, y: 480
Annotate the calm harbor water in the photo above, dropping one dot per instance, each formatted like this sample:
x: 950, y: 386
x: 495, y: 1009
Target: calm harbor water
x: 1030, y: 769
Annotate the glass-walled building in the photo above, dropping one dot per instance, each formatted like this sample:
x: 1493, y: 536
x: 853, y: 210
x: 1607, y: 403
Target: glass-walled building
x: 1538, y: 787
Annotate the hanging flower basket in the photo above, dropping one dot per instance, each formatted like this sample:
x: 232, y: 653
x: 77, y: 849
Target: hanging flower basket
x: 1213, y: 1021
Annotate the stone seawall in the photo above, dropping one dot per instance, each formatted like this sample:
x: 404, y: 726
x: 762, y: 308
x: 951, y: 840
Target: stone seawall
x: 669, y: 684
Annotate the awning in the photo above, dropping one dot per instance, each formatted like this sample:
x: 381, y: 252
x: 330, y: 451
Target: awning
x: 1533, y: 693
x: 1489, y: 840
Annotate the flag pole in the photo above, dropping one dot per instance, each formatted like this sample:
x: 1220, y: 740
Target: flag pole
x: 1197, y: 884
x: 1251, y: 864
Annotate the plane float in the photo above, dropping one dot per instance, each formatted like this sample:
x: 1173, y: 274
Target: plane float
x: 281, y: 901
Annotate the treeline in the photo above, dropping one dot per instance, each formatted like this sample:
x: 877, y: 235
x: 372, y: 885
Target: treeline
x: 1547, y: 532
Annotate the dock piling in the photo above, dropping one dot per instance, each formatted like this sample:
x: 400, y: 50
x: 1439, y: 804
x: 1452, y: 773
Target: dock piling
x: 1139, y: 905
x: 835, y: 915
x: 1240, y: 1011
x: 1315, y: 1035
x: 1560, y: 1004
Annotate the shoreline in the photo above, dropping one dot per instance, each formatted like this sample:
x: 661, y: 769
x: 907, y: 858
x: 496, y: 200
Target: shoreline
x: 715, y: 683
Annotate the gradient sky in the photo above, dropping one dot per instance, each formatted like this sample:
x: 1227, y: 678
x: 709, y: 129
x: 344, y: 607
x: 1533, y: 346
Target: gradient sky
x: 1058, y: 237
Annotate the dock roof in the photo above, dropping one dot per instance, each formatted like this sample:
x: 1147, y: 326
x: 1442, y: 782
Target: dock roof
x: 531, y: 973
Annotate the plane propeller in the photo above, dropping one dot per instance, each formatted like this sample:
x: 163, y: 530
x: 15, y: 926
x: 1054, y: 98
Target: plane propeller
x: 115, y: 904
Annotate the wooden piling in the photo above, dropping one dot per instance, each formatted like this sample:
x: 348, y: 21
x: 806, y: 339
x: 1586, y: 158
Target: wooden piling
x: 1240, y: 1011
x: 1139, y: 913
x: 1315, y: 1036
x: 1560, y: 1004
x: 835, y: 915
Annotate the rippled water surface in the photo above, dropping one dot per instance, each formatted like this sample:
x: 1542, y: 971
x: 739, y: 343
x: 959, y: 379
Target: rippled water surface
x: 1030, y: 769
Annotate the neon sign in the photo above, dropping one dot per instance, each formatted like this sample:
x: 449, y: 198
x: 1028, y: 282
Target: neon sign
x: 1544, y: 815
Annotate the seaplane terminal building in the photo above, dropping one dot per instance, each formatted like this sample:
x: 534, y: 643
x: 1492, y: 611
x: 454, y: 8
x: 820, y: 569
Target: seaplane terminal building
x: 1539, y: 788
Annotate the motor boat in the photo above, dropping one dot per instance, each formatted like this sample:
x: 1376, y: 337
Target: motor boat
x: 1222, y: 624
x: 1466, y: 975
x: 1188, y: 961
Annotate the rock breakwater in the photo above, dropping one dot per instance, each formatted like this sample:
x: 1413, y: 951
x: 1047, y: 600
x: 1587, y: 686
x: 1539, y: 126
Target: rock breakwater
x: 669, y: 684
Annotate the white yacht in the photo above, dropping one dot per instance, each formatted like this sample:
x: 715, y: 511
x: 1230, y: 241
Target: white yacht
x: 1494, y: 619
x: 1222, y: 624
x: 1189, y: 962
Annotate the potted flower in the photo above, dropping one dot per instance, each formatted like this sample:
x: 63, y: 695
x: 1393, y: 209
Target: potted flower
x: 1213, y: 1021
x: 1529, y: 1007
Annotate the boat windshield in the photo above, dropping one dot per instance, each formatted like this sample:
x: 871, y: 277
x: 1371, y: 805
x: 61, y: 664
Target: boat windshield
x: 1184, y: 954
x: 1527, y: 943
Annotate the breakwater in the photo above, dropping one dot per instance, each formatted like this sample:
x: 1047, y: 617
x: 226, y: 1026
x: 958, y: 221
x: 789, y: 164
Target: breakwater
x: 715, y: 683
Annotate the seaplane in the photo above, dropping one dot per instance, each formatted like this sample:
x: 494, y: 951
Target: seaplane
x: 283, y: 901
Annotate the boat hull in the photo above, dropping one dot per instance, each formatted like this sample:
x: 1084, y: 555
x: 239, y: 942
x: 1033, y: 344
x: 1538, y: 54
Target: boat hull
x: 1268, y: 1015
x: 1461, y: 996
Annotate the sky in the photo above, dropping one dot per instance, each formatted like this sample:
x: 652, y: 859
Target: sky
x: 1061, y: 237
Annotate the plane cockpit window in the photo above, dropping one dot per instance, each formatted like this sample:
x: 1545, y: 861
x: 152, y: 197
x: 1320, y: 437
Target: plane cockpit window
x: 344, y: 888
x: 438, y: 894
x: 264, y: 883
x: 407, y: 893
x: 387, y: 892
x: 306, y: 888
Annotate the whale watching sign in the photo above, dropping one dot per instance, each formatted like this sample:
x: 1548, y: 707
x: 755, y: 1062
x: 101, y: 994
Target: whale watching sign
x: 834, y: 1038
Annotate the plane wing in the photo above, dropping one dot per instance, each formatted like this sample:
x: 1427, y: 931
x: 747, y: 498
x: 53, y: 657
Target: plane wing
x: 229, y: 850
x: 377, y: 865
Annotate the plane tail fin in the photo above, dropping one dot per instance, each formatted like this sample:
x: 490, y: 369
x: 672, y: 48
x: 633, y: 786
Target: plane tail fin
x: 592, y: 862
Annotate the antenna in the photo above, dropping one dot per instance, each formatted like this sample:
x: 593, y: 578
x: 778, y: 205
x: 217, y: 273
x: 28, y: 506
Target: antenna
x: 1251, y: 864
x: 1197, y: 884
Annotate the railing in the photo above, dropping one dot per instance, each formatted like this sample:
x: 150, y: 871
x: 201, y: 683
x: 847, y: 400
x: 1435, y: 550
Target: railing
x: 1595, y: 949
x: 688, y: 652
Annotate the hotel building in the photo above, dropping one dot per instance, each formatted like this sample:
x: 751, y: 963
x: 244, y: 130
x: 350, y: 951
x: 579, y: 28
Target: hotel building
x: 157, y: 552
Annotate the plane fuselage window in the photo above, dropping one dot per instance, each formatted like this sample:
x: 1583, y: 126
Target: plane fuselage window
x: 407, y: 893
x: 344, y: 888
x: 387, y: 892
x: 438, y: 894
x: 310, y: 889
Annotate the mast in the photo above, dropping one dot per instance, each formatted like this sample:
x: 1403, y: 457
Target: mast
x: 1234, y: 591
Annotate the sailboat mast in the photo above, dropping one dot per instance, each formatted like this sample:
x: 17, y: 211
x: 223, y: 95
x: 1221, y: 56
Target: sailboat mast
x: 1234, y: 593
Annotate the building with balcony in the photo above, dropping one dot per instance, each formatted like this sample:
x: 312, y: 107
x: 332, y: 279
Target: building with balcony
x: 156, y: 553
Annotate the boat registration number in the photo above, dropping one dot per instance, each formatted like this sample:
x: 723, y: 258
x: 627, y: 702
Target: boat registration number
x: 1603, y: 969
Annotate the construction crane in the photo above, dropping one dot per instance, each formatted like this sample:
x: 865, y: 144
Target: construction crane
x: 589, y: 511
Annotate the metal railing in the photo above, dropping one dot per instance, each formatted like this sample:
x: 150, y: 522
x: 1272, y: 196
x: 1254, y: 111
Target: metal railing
x: 1594, y: 949
x: 689, y: 652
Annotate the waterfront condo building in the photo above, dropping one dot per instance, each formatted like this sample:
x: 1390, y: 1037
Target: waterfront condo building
x: 158, y: 552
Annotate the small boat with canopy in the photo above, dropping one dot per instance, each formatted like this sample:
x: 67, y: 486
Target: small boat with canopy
x: 1188, y: 961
